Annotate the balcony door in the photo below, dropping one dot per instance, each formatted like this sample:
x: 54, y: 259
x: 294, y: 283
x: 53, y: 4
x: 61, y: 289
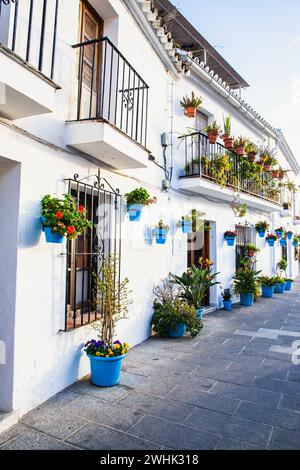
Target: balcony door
x: 91, y: 27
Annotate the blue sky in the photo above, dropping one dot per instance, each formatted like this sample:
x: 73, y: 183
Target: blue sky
x: 261, y: 40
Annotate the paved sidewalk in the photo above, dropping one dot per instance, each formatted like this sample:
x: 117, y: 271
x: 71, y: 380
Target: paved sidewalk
x: 233, y: 387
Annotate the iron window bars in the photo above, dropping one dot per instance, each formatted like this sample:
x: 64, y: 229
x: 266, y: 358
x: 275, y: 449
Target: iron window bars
x: 85, y: 254
x: 244, y: 236
x: 110, y: 89
x: 29, y: 30
x: 200, y: 155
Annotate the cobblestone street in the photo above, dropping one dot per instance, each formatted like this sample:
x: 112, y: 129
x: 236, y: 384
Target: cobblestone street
x: 233, y: 387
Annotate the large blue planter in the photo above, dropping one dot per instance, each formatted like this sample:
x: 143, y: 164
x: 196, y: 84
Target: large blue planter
x: 200, y: 312
x: 247, y: 300
x: 271, y: 242
x: 282, y: 242
x: 227, y: 304
x: 230, y: 241
x: 53, y: 237
x: 186, y: 226
x: 279, y: 288
x: 177, y: 332
x: 279, y: 233
x: 288, y: 285
x: 105, y: 371
x: 267, y: 291
x: 262, y: 234
x: 135, y: 212
x: 161, y: 235
x: 289, y: 236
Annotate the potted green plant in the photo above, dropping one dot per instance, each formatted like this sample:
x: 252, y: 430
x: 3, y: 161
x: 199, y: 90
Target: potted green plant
x: 194, y: 283
x: 271, y: 239
x: 267, y: 158
x: 229, y: 236
x: 192, y: 167
x: 227, y: 139
x: 239, y: 145
x: 191, y: 104
x: 288, y: 284
x: 213, y: 131
x: 251, y: 151
x: 227, y: 302
x: 245, y: 285
x: 267, y: 286
x: 61, y: 218
x: 161, y: 232
x: 185, y: 223
x: 252, y: 249
x: 279, y: 231
x: 220, y: 168
x: 136, y: 200
x: 110, y: 299
x: 173, y: 316
x: 279, y: 285
x: 261, y: 228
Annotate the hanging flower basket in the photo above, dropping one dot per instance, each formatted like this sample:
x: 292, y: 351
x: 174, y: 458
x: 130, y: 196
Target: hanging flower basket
x: 190, y: 112
x: 135, y: 212
x: 230, y: 237
x: 282, y: 241
x: 271, y: 239
x: 136, y: 200
x: 262, y: 234
x: 289, y: 235
x: 161, y: 233
x: 186, y: 226
x: 51, y: 237
x: 279, y: 233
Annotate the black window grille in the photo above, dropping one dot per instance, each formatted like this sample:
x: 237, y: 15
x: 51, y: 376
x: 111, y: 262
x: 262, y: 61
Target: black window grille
x: 85, y: 254
x: 29, y: 29
x: 244, y: 235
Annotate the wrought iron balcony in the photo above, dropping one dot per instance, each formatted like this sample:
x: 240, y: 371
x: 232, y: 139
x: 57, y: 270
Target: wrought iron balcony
x: 204, y: 160
x: 110, y: 89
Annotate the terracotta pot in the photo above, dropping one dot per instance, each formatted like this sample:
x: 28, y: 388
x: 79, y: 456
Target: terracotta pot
x: 275, y: 173
x: 250, y: 253
x: 251, y: 157
x: 240, y: 150
x: 267, y: 167
x: 212, y: 137
x: 228, y: 141
x: 190, y: 112
x: 281, y: 175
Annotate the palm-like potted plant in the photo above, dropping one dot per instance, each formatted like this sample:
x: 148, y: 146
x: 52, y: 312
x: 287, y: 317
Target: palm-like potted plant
x: 161, y: 232
x: 240, y: 144
x: 251, y: 151
x: 194, y: 283
x: 136, y: 200
x: 213, y: 131
x: 227, y: 139
x: 245, y: 284
x: 252, y: 249
x: 267, y: 286
x: 191, y: 104
x: 61, y: 218
x: 261, y: 228
x: 110, y: 299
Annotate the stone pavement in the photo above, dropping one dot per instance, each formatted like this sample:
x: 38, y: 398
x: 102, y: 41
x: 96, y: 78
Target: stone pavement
x: 233, y: 387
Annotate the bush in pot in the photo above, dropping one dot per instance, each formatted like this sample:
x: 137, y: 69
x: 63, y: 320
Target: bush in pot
x: 136, y: 200
x: 267, y: 286
x: 239, y: 145
x: 61, y: 218
x: 173, y: 316
x: 251, y: 151
x: 194, y: 283
x: 262, y: 227
x: 271, y: 239
x: 110, y: 299
x: 227, y: 302
x: 245, y: 285
x: 213, y: 131
x: 279, y: 285
x: 191, y: 104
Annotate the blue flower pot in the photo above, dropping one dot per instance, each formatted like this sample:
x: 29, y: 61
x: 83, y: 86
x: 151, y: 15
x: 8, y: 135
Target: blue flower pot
x: 230, y: 241
x: 177, y: 332
x: 267, y: 291
x: 161, y: 235
x: 247, y: 300
x: 262, y: 234
x: 227, y: 304
x: 289, y: 236
x: 279, y: 233
x: 271, y: 242
x: 295, y: 244
x: 279, y: 288
x: 135, y: 212
x: 288, y: 285
x: 105, y: 371
x: 282, y: 242
x: 186, y: 226
x: 53, y: 237
x: 200, y: 312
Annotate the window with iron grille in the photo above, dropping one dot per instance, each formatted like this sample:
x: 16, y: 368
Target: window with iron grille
x: 244, y: 235
x: 85, y: 254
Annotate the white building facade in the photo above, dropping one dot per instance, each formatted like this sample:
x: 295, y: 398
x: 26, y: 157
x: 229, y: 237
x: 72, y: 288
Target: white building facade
x: 91, y: 120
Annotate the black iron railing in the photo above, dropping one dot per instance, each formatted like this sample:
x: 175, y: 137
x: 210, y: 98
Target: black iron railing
x: 204, y: 160
x: 109, y: 88
x: 29, y: 30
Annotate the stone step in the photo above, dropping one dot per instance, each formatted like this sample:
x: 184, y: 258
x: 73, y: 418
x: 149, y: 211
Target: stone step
x: 8, y: 419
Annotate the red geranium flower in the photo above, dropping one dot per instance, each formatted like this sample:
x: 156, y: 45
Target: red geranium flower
x: 70, y: 229
x: 81, y: 209
x: 59, y: 215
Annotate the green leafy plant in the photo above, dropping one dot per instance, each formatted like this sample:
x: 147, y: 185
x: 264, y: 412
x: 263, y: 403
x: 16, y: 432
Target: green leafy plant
x: 240, y: 142
x: 271, y: 236
x: 193, y: 102
x: 214, y: 127
x: 240, y: 210
x: 282, y: 266
x: 266, y: 281
x: 194, y: 283
x: 251, y: 148
x: 139, y: 196
x: 64, y: 216
x: 170, y: 309
x: 252, y: 247
x: 227, y: 124
x: 262, y: 226
x: 268, y: 156
x: 226, y: 295
x: 291, y: 186
x: 246, y: 281
x: 278, y: 280
x: 197, y: 221
x: 221, y: 165
x: 162, y: 225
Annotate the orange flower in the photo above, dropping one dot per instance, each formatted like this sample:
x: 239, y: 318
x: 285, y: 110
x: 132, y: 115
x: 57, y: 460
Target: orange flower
x: 70, y: 229
x: 81, y: 209
x: 59, y: 215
